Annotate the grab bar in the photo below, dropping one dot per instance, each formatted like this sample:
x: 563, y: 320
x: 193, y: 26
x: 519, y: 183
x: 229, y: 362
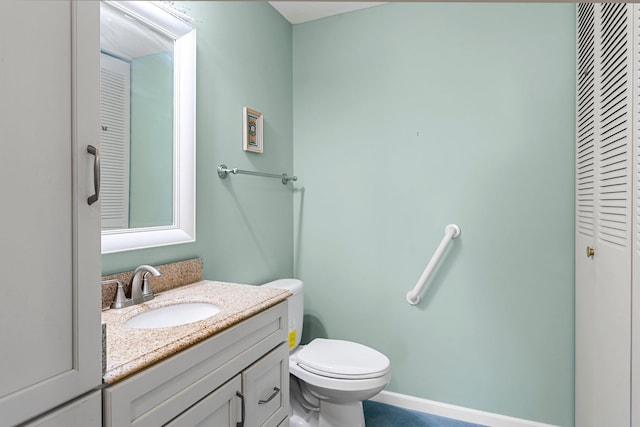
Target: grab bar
x: 451, y: 231
x: 224, y: 171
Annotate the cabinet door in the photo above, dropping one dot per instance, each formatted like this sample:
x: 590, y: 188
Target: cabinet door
x: 50, y: 258
x: 603, y: 215
x: 221, y: 408
x: 265, y: 385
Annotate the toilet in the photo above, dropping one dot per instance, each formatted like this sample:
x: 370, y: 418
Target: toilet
x: 329, y: 379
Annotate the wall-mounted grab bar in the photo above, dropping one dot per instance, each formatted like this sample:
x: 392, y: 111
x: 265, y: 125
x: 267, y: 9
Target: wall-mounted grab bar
x: 451, y: 231
x: 224, y: 171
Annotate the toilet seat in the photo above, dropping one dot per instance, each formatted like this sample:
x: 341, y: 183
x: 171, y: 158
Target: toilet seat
x: 342, y: 360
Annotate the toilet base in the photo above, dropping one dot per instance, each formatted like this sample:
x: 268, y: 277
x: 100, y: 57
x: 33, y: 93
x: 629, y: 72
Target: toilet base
x: 308, y: 411
x: 341, y: 415
x: 331, y: 415
x: 298, y: 421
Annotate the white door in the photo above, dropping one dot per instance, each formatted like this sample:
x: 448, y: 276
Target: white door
x: 603, y: 221
x: 50, y: 257
x: 635, y: 290
x: 585, y: 213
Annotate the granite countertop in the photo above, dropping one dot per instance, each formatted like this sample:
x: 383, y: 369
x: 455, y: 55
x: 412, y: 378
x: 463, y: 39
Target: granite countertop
x: 129, y: 350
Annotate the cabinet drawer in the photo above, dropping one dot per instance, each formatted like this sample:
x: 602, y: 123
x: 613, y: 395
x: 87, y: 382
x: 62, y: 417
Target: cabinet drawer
x: 84, y: 411
x: 266, y: 389
x: 218, y: 409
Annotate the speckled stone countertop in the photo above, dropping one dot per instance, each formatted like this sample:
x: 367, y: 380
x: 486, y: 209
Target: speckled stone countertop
x: 130, y: 350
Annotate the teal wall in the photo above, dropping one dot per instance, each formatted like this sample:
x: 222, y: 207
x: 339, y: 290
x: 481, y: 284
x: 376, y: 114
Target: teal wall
x: 408, y: 117
x: 151, y: 153
x: 244, y: 224
x: 412, y: 116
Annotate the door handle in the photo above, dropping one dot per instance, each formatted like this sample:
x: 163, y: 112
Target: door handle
x: 242, y: 410
x: 96, y: 174
x: 590, y: 252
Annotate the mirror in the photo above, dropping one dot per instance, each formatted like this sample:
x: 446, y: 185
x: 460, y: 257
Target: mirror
x: 147, y: 110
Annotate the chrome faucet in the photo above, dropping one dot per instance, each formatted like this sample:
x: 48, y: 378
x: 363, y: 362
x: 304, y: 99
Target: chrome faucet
x: 142, y: 292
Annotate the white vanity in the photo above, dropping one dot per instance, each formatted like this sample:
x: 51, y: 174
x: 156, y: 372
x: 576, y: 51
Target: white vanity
x: 227, y: 370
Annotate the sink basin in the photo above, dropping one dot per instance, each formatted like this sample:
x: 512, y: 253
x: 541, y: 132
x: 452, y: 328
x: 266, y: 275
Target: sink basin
x: 173, y: 315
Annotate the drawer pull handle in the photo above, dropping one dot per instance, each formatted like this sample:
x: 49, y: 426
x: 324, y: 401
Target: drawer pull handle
x: 241, y: 422
x: 276, y: 390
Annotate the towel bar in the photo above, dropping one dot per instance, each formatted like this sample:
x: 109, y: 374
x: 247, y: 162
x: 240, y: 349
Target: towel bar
x: 224, y: 171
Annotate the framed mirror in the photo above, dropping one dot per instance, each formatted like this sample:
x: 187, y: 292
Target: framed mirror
x: 147, y: 110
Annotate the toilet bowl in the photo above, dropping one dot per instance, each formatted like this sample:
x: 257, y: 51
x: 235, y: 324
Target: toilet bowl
x: 329, y: 378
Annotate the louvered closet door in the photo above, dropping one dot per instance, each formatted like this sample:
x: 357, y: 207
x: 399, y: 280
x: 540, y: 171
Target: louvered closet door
x: 603, y: 222
x: 635, y: 289
x: 585, y: 215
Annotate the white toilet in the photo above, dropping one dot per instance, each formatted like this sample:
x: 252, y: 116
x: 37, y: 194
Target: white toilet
x: 329, y: 378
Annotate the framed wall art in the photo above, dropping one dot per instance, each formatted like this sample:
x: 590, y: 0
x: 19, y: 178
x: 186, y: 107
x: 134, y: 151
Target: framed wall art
x: 252, y: 130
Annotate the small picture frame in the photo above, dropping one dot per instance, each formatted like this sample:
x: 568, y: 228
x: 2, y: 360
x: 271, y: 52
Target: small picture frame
x: 252, y: 130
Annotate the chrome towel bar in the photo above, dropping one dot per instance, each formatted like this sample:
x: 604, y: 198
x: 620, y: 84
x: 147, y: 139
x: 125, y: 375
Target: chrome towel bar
x: 224, y: 171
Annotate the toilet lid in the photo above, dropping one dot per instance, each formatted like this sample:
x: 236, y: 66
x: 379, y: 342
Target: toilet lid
x: 342, y: 359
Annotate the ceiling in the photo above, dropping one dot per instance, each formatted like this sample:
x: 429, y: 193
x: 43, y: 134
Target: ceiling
x: 117, y: 30
x: 297, y: 12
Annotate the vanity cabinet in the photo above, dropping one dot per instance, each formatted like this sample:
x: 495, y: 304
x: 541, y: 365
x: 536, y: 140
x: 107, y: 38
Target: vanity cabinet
x: 259, y: 388
x: 242, y: 370
x: 50, y: 318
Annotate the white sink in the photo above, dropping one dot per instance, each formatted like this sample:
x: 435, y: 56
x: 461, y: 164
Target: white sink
x: 173, y: 315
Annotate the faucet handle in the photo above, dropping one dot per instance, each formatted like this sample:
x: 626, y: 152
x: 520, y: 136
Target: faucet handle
x: 147, y: 293
x: 121, y: 299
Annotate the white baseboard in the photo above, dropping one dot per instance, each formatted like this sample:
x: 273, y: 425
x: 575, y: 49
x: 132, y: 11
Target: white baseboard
x: 452, y: 411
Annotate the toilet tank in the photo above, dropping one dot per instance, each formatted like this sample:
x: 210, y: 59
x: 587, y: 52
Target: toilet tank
x: 296, y: 307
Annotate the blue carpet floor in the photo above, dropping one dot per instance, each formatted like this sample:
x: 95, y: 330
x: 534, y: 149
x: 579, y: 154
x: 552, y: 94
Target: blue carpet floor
x: 383, y: 415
